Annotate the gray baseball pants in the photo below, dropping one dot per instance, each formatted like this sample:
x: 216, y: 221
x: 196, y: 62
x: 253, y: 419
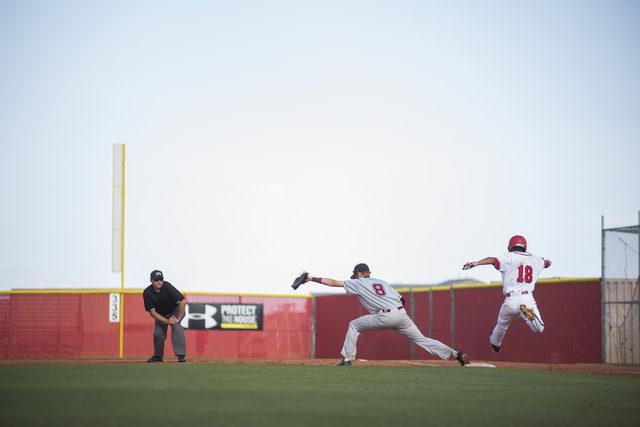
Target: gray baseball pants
x: 178, y: 341
x: 399, y: 321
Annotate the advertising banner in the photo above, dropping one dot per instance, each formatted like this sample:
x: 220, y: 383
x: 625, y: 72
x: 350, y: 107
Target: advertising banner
x: 216, y: 316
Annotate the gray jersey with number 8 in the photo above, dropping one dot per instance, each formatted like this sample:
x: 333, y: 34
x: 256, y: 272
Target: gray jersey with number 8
x: 374, y: 294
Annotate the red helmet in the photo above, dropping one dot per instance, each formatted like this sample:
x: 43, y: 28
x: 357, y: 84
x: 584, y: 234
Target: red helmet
x: 517, y: 241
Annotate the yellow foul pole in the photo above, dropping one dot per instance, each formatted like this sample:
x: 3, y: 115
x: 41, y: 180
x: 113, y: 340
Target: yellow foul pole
x: 117, y: 257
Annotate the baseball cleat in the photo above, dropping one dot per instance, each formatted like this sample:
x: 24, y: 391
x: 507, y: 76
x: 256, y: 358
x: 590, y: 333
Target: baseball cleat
x: 462, y: 358
x: 154, y: 359
x: 344, y: 362
x: 182, y: 359
x: 496, y: 349
x: 528, y: 313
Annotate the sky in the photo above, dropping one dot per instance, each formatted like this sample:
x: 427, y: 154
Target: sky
x: 267, y: 138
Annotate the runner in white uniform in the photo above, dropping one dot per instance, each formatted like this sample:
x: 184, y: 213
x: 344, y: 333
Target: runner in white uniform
x: 520, y: 271
x: 387, y: 312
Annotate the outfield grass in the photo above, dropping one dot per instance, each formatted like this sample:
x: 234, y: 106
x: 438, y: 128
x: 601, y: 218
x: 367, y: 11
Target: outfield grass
x: 274, y: 395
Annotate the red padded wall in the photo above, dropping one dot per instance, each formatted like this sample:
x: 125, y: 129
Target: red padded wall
x: 420, y: 318
x: 333, y: 314
x: 286, y: 330
x: 76, y: 325
x: 56, y: 326
x: 442, y: 316
x: 570, y: 309
x: 476, y: 314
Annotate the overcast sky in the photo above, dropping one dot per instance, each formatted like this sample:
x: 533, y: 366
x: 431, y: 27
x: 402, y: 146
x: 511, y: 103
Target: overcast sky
x: 264, y: 138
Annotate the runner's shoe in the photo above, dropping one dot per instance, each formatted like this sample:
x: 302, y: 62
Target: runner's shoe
x: 344, y: 362
x: 496, y: 349
x: 528, y: 312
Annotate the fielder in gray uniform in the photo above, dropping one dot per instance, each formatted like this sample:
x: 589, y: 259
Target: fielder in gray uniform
x: 387, y: 312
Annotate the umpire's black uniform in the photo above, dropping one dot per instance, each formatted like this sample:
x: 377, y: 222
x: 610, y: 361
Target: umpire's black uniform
x: 166, y: 303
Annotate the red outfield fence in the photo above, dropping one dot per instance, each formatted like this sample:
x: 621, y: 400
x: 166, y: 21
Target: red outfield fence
x: 463, y: 316
x: 77, y: 324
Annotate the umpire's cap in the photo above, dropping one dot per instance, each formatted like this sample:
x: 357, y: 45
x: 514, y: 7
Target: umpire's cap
x: 157, y: 275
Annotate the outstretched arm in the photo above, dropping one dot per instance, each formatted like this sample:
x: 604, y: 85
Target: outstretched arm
x: 483, y: 261
x: 325, y: 281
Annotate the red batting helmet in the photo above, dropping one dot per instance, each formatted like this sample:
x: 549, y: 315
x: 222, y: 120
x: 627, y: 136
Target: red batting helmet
x: 517, y: 241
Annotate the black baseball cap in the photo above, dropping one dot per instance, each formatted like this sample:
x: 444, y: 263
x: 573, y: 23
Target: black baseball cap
x: 157, y: 275
x: 362, y: 268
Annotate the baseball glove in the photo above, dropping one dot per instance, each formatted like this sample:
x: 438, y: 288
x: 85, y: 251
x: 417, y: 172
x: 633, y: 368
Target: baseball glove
x: 300, y: 280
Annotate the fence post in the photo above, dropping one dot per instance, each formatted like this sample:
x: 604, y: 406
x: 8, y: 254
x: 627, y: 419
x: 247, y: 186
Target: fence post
x: 453, y: 318
x: 431, y: 313
x: 412, y: 307
x: 313, y: 328
x: 602, y: 304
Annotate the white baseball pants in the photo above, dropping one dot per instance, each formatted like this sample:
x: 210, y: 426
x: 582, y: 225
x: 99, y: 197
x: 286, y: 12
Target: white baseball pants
x: 509, y: 311
x: 399, y: 321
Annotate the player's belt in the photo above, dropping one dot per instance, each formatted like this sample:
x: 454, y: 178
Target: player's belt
x: 517, y: 293
x: 388, y: 310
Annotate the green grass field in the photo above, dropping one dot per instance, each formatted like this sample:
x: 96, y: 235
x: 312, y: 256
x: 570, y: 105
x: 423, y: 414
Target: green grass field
x: 275, y: 395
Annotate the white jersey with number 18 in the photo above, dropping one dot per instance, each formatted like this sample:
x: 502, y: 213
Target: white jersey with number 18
x: 520, y: 271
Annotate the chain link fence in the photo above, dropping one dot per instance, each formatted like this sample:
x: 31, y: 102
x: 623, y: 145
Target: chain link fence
x: 620, y: 298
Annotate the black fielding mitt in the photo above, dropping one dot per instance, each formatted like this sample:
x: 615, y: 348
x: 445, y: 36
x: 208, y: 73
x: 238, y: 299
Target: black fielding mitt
x: 300, y: 280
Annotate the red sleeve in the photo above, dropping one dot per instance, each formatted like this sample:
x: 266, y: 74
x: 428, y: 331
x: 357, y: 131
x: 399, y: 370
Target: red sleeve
x: 496, y: 263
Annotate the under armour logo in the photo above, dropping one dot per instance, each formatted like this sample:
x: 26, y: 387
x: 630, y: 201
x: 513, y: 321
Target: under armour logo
x: 207, y: 316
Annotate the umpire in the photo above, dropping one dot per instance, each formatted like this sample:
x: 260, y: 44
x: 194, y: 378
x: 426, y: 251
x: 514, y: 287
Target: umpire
x: 166, y: 305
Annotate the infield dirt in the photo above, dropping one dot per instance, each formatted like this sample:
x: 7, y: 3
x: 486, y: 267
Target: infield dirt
x: 599, y: 369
